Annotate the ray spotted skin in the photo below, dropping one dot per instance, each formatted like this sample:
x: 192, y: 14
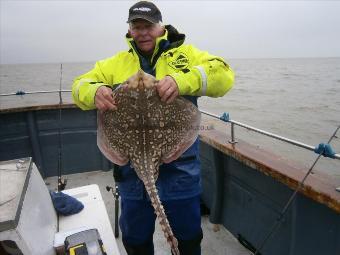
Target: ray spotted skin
x: 147, y: 132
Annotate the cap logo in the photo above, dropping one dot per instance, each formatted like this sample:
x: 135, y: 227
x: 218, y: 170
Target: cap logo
x: 142, y: 9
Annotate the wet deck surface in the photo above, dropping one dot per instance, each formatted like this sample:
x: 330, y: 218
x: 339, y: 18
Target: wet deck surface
x: 214, y: 243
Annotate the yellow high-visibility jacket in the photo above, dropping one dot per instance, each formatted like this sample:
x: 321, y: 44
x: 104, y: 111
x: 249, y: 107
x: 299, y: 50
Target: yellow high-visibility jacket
x: 196, y: 72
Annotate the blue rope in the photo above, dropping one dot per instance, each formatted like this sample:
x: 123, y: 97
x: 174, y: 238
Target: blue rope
x: 20, y: 93
x: 225, y: 117
x: 325, y: 149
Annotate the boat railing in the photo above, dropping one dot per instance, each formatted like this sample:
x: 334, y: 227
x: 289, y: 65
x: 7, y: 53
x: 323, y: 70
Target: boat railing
x: 224, y: 117
x: 21, y: 92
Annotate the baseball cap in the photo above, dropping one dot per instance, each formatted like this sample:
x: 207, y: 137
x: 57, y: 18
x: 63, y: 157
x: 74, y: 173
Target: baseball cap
x: 145, y: 10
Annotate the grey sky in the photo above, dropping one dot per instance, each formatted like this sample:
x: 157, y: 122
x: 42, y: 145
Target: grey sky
x: 74, y: 31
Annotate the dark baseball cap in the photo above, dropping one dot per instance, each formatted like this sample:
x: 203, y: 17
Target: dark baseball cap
x: 145, y: 10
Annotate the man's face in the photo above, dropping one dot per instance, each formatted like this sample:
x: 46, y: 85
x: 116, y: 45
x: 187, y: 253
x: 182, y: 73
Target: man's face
x: 145, y: 33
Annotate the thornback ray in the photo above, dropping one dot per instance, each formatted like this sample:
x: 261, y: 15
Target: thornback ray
x: 147, y: 132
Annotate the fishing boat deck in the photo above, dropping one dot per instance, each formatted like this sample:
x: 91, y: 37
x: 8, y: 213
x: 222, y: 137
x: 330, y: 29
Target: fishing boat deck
x: 214, y: 243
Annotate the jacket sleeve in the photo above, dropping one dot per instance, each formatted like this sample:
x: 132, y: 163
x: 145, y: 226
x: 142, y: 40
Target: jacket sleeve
x: 208, y: 75
x: 84, y: 87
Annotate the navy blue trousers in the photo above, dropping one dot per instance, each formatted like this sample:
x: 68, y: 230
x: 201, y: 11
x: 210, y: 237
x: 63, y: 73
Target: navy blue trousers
x: 137, y: 222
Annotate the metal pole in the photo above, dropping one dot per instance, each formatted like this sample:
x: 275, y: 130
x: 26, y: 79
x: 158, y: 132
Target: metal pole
x: 232, y: 129
x: 22, y: 93
x: 210, y: 114
x: 303, y: 145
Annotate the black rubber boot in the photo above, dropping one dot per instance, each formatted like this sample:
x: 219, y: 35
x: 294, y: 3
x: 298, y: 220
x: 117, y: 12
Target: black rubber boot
x: 140, y: 249
x: 190, y: 247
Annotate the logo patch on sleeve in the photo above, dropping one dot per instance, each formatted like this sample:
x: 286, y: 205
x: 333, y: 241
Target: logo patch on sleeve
x: 180, y: 62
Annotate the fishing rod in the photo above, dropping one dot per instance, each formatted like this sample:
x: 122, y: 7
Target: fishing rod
x: 278, y: 221
x: 115, y: 193
x: 61, y: 183
x: 22, y: 93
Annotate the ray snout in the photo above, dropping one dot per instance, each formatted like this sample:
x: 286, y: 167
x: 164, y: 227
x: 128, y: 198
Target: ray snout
x: 141, y: 80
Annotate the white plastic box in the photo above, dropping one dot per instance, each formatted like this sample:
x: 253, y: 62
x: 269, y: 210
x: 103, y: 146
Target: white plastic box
x: 27, y: 215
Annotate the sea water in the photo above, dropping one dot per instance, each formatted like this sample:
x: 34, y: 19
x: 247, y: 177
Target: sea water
x: 295, y: 98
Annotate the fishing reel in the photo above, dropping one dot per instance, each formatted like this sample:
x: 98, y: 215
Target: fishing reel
x: 61, y: 183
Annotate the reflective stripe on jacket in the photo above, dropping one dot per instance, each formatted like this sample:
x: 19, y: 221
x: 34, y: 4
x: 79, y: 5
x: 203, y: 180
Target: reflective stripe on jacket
x: 196, y: 73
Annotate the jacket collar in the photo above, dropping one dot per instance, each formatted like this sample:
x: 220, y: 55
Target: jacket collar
x: 175, y: 38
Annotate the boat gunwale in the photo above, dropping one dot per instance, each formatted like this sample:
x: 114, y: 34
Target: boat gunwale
x: 318, y: 186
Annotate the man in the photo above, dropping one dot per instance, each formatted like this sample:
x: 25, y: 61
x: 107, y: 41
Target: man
x: 182, y: 70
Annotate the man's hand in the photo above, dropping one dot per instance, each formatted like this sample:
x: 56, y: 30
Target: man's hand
x: 167, y: 89
x: 104, y: 99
